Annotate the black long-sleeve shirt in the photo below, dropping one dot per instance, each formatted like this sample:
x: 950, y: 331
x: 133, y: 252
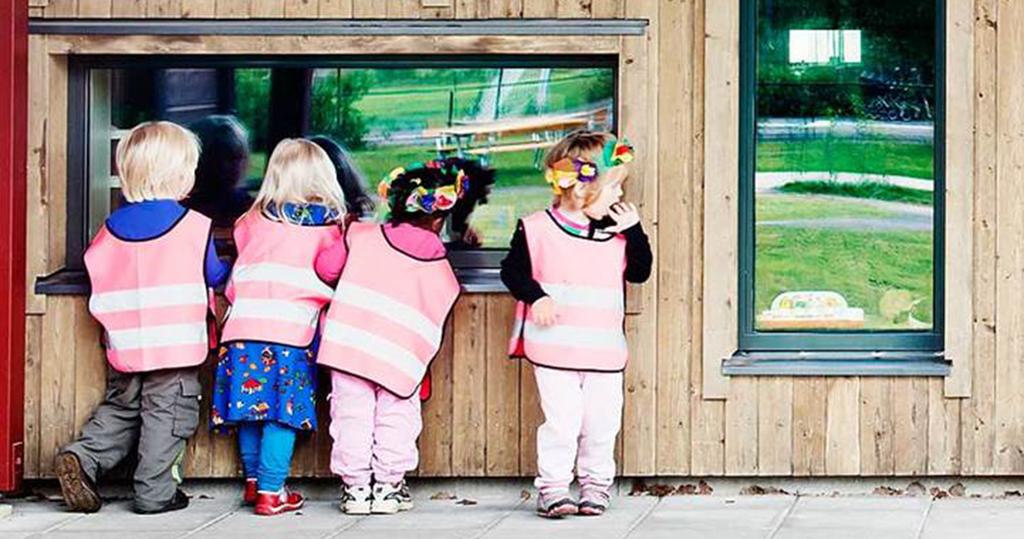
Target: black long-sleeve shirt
x: 517, y: 271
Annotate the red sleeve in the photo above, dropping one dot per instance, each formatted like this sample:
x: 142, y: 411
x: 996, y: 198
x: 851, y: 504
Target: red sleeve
x: 330, y: 261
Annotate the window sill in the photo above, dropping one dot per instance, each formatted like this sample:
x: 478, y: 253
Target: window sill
x: 69, y: 282
x: 796, y: 363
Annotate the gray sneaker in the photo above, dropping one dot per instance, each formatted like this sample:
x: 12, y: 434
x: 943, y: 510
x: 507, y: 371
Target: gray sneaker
x: 389, y: 498
x: 356, y: 500
x: 555, y: 504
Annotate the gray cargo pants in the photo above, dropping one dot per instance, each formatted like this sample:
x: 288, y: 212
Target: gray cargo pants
x: 155, y: 412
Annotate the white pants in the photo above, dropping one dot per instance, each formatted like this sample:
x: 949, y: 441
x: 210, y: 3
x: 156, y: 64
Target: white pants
x: 582, y: 416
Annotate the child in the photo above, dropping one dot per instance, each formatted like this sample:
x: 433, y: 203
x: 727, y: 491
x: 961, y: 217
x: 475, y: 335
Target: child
x: 353, y: 185
x: 384, y: 327
x: 567, y: 268
x: 266, y: 374
x: 223, y: 163
x: 152, y: 267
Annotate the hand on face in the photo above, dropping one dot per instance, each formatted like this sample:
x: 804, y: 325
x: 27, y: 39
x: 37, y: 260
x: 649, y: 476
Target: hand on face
x: 625, y: 216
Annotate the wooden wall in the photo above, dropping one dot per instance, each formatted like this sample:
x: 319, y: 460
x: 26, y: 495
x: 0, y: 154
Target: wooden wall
x: 481, y: 419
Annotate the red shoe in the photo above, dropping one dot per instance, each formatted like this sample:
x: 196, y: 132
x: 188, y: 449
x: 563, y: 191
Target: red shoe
x: 249, y: 495
x: 275, y: 503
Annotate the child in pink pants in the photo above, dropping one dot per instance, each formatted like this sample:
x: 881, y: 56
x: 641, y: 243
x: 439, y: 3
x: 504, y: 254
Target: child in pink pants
x: 395, y: 289
x: 567, y: 267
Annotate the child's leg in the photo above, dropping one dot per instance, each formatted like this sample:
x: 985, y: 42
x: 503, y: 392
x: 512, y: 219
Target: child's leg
x: 352, y: 407
x: 170, y: 416
x: 602, y: 418
x: 397, y: 424
x: 275, y: 456
x: 250, y: 437
x: 561, y: 399
x: 111, y: 432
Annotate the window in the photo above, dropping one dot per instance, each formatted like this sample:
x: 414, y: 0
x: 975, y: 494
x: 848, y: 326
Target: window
x: 386, y: 112
x: 841, y: 179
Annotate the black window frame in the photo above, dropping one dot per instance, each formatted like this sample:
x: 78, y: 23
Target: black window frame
x: 477, y: 268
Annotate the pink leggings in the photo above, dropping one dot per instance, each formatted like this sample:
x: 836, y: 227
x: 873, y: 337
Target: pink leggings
x: 582, y: 416
x: 374, y: 431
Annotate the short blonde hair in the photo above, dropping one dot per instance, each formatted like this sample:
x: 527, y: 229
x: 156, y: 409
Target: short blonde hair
x: 582, y: 144
x: 299, y: 172
x: 157, y: 160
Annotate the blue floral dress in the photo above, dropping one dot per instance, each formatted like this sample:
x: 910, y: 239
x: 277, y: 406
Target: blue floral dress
x: 262, y: 381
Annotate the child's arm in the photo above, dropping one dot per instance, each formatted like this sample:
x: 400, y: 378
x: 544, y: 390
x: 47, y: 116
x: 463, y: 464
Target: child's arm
x: 330, y: 261
x: 638, y: 254
x: 517, y: 271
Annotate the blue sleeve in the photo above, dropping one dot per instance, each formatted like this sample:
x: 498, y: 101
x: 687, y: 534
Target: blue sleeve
x: 216, y: 270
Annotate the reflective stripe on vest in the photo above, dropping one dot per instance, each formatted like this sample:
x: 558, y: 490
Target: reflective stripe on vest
x: 584, y: 279
x: 150, y: 296
x: 386, y: 320
x: 274, y: 291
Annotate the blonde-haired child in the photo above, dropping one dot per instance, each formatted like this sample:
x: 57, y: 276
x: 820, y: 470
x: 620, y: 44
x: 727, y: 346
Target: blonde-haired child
x: 266, y: 373
x: 151, y: 267
x: 567, y: 267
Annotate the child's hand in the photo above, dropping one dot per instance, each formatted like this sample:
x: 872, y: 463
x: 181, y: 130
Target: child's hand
x: 543, y: 312
x: 625, y: 216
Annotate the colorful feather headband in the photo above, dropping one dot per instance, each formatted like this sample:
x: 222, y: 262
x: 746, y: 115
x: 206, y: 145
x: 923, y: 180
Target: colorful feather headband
x: 565, y: 173
x: 422, y: 199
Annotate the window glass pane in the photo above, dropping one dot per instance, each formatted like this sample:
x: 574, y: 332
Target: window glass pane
x: 383, y: 117
x: 844, y: 165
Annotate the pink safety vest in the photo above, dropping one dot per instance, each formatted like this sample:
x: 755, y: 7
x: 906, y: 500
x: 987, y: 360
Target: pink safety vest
x: 584, y: 279
x: 274, y: 291
x: 386, y: 320
x: 151, y: 298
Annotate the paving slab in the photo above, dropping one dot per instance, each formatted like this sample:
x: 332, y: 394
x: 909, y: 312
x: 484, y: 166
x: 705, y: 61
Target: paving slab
x: 963, y: 518
x: 855, y: 518
x: 712, y: 516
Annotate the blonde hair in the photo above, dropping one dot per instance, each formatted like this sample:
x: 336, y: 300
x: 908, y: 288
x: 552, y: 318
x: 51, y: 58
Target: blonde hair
x: 157, y: 160
x: 299, y: 172
x: 582, y: 144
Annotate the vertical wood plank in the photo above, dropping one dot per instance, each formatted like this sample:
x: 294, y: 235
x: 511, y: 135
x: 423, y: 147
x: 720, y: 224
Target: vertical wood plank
x: 842, y: 429
x: 573, y: 9
x: 741, y: 425
x: 57, y: 382
x: 500, y: 9
x: 810, y: 406
x: 775, y: 426
x: 269, y: 9
x: 90, y: 372
x: 466, y: 9
x: 232, y: 9
x: 37, y: 199
x: 369, y: 9
x: 336, y: 9
x: 876, y: 426
x: 61, y: 9
x: 721, y: 185
x: 162, y: 9
x: 33, y: 388
x: 707, y: 417
x: 978, y: 414
x: 612, y: 9
x: 56, y: 160
x: 131, y: 8
x: 205, y: 9
x: 301, y: 9
x: 536, y: 9
x: 436, y: 440
x: 910, y: 426
x: 530, y: 417
x: 96, y: 9
x: 199, y: 449
x: 675, y: 95
x: 943, y: 431
x: 468, y: 383
x: 502, y: 394
x: 1009, y: 241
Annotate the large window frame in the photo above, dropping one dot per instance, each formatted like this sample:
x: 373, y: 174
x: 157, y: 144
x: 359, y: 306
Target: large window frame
x: 477, y: 268
x: 840, y: 347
